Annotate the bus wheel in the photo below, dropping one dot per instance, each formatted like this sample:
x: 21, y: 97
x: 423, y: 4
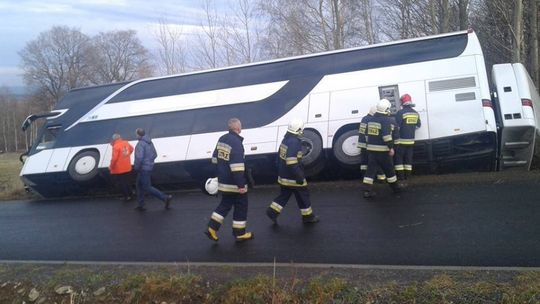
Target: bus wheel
x: 84, y: 166
x: 345, y: 148
x: 311, y: 147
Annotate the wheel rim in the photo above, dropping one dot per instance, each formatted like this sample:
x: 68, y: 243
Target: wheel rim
x: 350, y: 146
x: 307, y: 146
x: 85, y: 165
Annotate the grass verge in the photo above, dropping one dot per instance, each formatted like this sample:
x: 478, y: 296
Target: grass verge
x: 210, y: 284
x: 11, y: 186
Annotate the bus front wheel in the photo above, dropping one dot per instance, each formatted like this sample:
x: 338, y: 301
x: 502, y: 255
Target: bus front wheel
x: 84, y: 166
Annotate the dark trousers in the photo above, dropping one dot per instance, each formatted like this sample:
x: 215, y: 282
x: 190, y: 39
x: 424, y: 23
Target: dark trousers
x: 379, y: 160
x: 302, y: 199
x: 364, y: 159
x: 228, y: 201
x: 144, y: 185
x: 122, y: 183
x: 403, y: 161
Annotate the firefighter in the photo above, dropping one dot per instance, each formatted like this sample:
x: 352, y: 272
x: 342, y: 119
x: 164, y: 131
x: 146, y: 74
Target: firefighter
x: 291, y: 176
x: 380, y: 149
x: 229, y: 158
x: 362, y: 145
x: 408, y: 121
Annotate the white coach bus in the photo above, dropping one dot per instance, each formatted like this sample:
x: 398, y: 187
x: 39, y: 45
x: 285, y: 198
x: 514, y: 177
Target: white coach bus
x: 185, y: 114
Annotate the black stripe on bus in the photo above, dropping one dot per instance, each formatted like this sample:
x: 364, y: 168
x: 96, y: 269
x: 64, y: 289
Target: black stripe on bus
x: 325, y: 64
x: 196, y: 121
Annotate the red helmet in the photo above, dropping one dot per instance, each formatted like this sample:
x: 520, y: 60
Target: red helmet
x: 406, y: 99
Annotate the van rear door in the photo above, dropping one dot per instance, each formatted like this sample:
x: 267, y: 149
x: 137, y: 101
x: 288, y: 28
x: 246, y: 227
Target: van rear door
x: 518, y: 127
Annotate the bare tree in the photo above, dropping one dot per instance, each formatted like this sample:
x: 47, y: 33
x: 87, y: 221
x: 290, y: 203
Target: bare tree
x: 241, y: 34
x: 463, y: 7
x: 533, y: 47
x: 171, y: 53
x: 207, y: 54
x: 57, y: 61
x: 119, y: 56
x: 517, y: 31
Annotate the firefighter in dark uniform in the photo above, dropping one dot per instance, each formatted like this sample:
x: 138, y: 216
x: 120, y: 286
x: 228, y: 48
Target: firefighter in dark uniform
x: 291, y: 176
x: 380, y: 148
x: 408, y: 121
x: 232, y: 184
x: 362, y: 145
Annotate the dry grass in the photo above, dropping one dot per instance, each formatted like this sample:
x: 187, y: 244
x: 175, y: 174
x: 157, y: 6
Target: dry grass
x: 153, y: 285
x: 11, y: 186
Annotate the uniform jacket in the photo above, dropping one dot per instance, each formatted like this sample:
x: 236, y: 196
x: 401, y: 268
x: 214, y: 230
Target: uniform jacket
x: 407, y: 120
x: 362, y: 131
x: 229, y: 157
x: 145, y: 153
x: 379, y: 133
x: 121, y: 157
x: 290, y: 168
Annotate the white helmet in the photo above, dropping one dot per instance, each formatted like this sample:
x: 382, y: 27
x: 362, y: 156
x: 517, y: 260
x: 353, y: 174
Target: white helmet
x: 383, y: 106
x: 296, y: 126
x: 372, y: 110
x: 211, y: 186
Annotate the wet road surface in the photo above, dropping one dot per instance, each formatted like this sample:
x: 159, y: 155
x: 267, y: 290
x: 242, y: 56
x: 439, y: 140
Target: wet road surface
x: 442, y: 221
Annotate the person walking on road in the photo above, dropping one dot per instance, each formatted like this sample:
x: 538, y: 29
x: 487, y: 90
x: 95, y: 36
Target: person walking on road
x: 291, y: 176
x: 229, y: 158
x: 120, y: 166
x: 380, y: 147
x: 145, y: 154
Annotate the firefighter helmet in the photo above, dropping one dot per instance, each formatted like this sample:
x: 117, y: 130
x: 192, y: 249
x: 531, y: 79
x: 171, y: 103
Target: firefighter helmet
x: 406, y: 100
x: 211, y: 186
x: 296, y: 126
x: 383, y: 106
x: 372, y: 110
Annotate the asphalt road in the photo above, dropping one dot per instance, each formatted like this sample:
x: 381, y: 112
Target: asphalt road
x: 468, y: 220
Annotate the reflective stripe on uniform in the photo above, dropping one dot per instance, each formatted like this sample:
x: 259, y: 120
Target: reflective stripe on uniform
x: 361, y: 145
x: 217, y: 217
x: 290, y: 182
x: 387, y: 138
x: 381, y: 177
x: 237, y: 167
x: 378, y: 148
x: 399, y: 167
x: 406, y: 141
x: 239, y: 224
x: 291, y: 161
x: 228, y: 188
x: 299, y: 154
x: 306, y: 211
x: 363, y: 167
x: 214, y: 160
x: 368, y: 180
x: 277, y: 207
x: 224, y: 146
x: 408, y: 167
x: 392, y: 179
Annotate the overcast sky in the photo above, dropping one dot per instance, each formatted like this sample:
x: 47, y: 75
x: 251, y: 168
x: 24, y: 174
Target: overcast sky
x: 22, y: 20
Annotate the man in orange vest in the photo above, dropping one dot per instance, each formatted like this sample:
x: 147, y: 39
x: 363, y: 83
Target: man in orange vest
x: 120, y: 167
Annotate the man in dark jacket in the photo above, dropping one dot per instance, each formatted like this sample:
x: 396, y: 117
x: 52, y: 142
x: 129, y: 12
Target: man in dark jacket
x: 145, y: 153
x: 229, y: 158
x: 291, y: 176
x: 380, y: 147
x: 408, y: 121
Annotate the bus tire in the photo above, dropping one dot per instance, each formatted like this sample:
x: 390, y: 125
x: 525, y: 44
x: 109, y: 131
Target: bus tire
x: 311, y: 148
x: 345, y: 148
x: 84, y: 166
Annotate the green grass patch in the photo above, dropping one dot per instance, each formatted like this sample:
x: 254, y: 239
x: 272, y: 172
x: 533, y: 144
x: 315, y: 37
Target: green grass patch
x: 11, y: 186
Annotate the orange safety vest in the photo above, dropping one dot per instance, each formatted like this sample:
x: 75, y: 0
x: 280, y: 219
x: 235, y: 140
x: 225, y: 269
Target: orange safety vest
x: 121, y: 157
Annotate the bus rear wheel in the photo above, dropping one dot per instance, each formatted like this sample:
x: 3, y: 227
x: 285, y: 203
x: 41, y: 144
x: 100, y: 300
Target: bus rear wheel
x: 312, y: 150
x: 346, y: 148
x: 84, y: 166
